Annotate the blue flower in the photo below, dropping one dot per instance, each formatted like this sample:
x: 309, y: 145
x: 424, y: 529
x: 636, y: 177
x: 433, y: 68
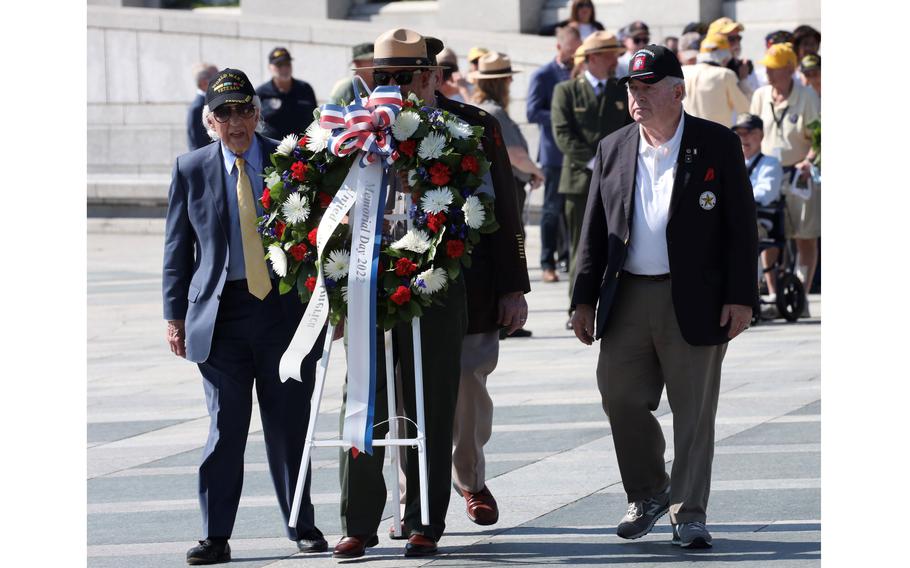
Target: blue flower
x: 329, y: 283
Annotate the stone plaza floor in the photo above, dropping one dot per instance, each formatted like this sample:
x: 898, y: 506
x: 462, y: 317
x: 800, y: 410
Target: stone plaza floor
x: 551, y: 463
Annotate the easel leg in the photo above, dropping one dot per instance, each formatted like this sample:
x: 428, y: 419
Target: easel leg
x: 421, y: 424
x: 393, y: 429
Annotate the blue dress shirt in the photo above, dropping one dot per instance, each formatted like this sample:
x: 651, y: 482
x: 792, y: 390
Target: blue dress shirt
x: 253, y: 166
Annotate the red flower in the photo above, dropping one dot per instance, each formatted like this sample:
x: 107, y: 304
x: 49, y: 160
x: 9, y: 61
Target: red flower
x: 312, y: 236
x: 298, y: 171
x: 266, y: 199
x: 298, y: 251
x: 310, y: 283
x: 404, y: 267
x: 440, y: 174
x: 710, y: 175
x: 469, y: 164
x: 279, y: 228
x: 455, y: 249
x: 401, y: 295
x: 435, y: 221
x: 407, y: 103
x: 303, y: 141
x: 408, y: 147
x: 324, y: 199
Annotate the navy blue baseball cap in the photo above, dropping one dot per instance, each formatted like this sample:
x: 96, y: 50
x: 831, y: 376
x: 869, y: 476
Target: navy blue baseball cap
x: 652, y: 63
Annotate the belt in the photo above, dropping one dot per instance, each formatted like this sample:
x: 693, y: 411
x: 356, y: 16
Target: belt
x: 648, y: 277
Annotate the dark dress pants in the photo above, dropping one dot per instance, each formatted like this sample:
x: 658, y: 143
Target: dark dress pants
x: 250, y: 337
x: 551, y: 219
x: 363, y: 488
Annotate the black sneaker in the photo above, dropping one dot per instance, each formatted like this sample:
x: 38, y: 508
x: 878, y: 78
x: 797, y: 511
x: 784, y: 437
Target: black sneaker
x: 209, y: 552
x: 642, y: 516
x: 691, y: 535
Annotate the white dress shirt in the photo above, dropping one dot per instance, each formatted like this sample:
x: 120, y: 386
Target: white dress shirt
x: 651, y: 208
x: 766, y: 179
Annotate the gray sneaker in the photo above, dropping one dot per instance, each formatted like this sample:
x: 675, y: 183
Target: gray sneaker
x: 691, y: 535
x: 642, y: 515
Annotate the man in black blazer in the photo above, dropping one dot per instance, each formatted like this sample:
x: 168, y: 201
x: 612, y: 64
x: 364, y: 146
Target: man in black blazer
x: 196, y: 133
x: 668, y: 257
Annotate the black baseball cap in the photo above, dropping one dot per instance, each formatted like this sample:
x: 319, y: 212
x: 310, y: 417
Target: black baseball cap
x: 810, y: 62
x: 748, y: 121
x: 652, y: 63
x: 279, y: 55
x: 637, y: 27
x: 230, y: 86
x: 779, y: 36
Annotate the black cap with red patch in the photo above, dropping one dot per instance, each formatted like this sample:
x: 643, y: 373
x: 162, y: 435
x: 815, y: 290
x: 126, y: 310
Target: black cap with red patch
x: 652, y: 63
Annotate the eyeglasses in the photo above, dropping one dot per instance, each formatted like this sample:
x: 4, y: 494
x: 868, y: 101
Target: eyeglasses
x: 402, y: 78
x: 641, y: 40
x: 224, y: 112
x: 734, y: 38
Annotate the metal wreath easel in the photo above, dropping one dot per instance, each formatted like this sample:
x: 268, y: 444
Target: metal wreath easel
x: 391, y: 438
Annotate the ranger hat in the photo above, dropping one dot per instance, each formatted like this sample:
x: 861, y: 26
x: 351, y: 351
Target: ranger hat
x: 652, y: 63
x: 601, y: 41
x: 230, y: 86
x: 403, y: 48
x: 279, y: 55
x: 493, y: 65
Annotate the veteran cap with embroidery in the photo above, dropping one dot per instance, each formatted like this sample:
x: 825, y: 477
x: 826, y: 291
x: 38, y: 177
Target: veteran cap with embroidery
x: 748, y: 121
x: 230, y: 86
x: 279, y: 55
x: 652, y: 63
x: 811, y: 62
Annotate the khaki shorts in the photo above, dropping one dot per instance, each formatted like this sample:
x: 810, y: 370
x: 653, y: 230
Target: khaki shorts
x: 803, y: 217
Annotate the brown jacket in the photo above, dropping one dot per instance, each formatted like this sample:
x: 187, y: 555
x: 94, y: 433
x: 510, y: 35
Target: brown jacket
x: 498, y: 264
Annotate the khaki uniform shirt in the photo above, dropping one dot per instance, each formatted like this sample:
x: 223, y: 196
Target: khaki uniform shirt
x: 713, y: 93
x: 786, y: 123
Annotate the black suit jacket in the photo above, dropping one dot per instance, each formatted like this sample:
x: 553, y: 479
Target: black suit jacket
x: 498, y: 263
x: 196, y: 136
x: 713, y: 252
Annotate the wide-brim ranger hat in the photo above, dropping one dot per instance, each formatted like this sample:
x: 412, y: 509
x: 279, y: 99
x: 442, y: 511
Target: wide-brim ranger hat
x: 401, y: 48
x: 230, y: 86
x: 601, y: 41
x: 493, y: 65
x: 652, y: 63
x: 579, y: 56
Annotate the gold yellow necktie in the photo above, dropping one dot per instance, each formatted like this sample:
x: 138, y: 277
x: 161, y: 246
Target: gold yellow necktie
x: 257, y: 275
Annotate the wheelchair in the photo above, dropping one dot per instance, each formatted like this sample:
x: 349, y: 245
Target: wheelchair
x: 791, y: 295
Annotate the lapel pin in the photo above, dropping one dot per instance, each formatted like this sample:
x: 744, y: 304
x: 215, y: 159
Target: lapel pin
x: 707, y: 200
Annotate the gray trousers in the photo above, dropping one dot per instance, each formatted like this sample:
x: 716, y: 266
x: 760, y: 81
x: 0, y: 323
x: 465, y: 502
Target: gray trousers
x: 642, y: 351
x: 474, y: 412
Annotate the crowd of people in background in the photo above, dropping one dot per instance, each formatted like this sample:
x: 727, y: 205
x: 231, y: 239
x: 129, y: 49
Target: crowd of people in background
x: 575, y: 100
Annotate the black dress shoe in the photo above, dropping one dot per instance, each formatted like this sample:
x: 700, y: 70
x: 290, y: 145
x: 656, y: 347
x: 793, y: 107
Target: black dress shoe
x: 209, y: 552
x: 419, y: 545
x: 315, y: 543
x: 520, y: 332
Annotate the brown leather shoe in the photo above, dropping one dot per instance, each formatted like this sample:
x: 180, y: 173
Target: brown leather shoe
x: 419, y: 545
x: 481, y: 507
x: 354, y: 546
x: 549, y: 275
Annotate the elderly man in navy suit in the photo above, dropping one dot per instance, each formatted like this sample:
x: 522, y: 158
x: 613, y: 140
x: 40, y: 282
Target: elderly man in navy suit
x: 224, y: 313
x: 540, y: 96
x: 667, y: 258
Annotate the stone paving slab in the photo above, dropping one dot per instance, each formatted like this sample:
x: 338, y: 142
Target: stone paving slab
x: 551, y: 463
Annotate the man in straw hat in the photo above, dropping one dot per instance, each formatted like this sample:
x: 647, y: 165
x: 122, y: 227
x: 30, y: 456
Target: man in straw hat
x: 712, y: 91
x: 668, y: 258
x: 585, y: 110
x: 405, y: 58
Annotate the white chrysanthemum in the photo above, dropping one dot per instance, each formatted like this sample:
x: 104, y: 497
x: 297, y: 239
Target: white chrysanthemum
x: 459, y: 129
x: 288, y: 143
x: 405, y: 125
x: 436, y: 200
x: 474, y: 213
x: 279, y: 260
x: 431, y: 146
x: 317, y: 137
x: 415, y: 241
x: 272, y: 179
x: 413, y: 178
x: 430, y: 281
x: 336, y: 267
x: 296, y: 208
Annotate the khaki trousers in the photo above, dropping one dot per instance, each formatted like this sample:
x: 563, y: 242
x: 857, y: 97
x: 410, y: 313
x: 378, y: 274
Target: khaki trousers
x: 474, y: 411
x: 643, y: 350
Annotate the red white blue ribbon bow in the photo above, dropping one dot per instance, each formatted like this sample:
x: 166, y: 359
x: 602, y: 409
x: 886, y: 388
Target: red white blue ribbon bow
x: 364, y: 125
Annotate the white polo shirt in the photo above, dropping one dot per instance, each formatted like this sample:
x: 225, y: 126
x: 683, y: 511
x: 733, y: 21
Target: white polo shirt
x: 651, y: 208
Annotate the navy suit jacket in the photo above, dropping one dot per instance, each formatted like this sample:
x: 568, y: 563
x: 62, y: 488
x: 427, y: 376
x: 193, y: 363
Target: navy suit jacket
x: 196, y: 245
x: 540, y: 97
x: 196, y: 136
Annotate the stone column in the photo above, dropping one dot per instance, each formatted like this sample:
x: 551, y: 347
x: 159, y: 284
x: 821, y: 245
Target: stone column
x: 488, y: 15
x: 311, y: 9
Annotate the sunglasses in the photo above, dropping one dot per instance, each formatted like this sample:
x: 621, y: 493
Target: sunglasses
x: 734, y: 38
x: 402, y: 78
x: 641, y: 40
x: 224, y: 112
